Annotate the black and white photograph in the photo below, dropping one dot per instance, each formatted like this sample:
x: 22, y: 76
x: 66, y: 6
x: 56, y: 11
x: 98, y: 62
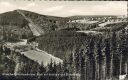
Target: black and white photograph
x: 63, y: 40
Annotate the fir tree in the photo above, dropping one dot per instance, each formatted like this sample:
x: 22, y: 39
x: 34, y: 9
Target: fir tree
x: 108, y: 57
x: 123, y: 51
x: 71, y: 66
x: 91, y: 62
x: 115, y: 60
x: 65, y: 70
x: 50, y: 67
x: 59, y: 71
x: 42, y: 69
x: 82, y: 65
x: 100, y: 60
x: 76, y: 59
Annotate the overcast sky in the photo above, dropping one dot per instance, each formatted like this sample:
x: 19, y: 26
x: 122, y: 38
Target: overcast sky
x: 66, y: 8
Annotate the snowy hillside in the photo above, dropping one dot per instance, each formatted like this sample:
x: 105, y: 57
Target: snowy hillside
x: 90, y: 32
x: 41, y: 56
x: 104, y: 24
x: 34, y: 54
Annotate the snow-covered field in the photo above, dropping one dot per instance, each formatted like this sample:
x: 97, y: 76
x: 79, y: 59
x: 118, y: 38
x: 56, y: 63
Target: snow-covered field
x: 103, y: 24
x: 22, y: 42
x: 89, y: 32
x: 35, y: 54
x: 41, y: 56
x: 122, y: 77
x: 85, y: 21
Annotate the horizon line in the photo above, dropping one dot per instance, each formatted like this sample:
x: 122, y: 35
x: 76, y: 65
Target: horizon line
x: 62, y: 16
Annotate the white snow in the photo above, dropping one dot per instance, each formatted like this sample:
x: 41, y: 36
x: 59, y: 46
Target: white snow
x: 85, y: 21
x: 34, y: 30
x: 16, y: 68
x: 22, y: 42
x: 11, y: 45
x: 41, y: 56
x: 103, y: 24
x: 36, y: 54
x: 122, y: 77
x: 88, y: 32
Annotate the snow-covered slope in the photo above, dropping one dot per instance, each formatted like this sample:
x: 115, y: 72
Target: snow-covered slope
x: 104, y: 24
x: 22, y: 42
x: 90, y: 32
x: 34, y: 54
x: 41, y: 56
x: 122, y: 77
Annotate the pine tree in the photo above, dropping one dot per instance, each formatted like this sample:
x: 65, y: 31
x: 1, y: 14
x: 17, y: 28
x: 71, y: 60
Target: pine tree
x: 59, y: 71
x: 71, y: 66
x: 108, y: 58
x: 100, y: 60
x: 91, y: 62
x: 65, y: 70
x: 42, y: 69
x: 54, y: 71
x: 71, y: 57
x: 115, y: 60
x: 50, y: 67
x: 127, y: 48
x: 76, y: 59
x: 123, y: 52
x: 82, y: 65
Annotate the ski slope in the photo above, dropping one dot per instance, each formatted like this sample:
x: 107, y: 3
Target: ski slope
x: 36, y: 30
x: 35, y: 54
x: 41, y: 56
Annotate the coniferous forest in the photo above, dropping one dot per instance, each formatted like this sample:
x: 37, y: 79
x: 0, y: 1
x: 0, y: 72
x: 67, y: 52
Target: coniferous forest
x: 79, y: 47
x: 102, y: 58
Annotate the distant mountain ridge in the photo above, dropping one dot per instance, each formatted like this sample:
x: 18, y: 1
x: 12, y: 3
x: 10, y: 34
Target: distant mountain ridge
x: 13, y: 21
x: 46, y: 22
x: 92, y: 16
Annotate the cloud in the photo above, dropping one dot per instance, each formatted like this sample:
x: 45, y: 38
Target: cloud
x: 68, y: 9
x: 31, y: 5
x: 117, y: 8
x: 55, y: 8
x: 6, y: 6
x: 28, y: 6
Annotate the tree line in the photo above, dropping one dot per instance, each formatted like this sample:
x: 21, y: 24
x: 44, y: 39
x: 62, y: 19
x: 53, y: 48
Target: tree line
x: 103, y: 58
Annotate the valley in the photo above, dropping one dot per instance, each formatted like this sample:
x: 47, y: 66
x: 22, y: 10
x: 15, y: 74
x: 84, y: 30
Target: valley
x: 93, y: 46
